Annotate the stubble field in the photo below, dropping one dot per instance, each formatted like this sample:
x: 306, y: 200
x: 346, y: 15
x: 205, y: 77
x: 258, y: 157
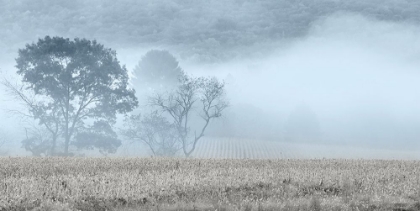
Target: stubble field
x: 203, y: 184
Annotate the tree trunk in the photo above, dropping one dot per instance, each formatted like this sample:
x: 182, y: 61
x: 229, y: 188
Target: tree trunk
x: 196, y: 139
x: 66, y: 145
x: 67, y: 119
x: 54, y: 144
x: 67, y: 139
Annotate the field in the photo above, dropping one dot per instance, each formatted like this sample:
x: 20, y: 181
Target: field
x: 241, y: 148
x: 207, y: 184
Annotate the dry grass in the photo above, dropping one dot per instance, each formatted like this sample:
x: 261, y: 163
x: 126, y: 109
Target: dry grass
x: 193, y: 184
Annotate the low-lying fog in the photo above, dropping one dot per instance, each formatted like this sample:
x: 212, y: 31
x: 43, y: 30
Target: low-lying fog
x: 350, y: 88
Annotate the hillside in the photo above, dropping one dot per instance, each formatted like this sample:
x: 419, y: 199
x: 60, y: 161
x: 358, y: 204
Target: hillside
x: 200, y: 30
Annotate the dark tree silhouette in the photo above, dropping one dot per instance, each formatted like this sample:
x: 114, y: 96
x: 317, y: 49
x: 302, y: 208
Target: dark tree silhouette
x: 73, y: 80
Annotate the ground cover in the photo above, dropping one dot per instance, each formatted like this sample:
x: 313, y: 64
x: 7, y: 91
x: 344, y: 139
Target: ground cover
x: 207, y: 184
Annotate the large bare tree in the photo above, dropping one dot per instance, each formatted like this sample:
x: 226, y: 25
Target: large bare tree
x: 202, y: 96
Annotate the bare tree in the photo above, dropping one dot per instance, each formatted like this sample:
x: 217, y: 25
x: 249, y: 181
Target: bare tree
x: 37, y: 141
x: 155, y: 131
x: 181, y: 105
x: 49, y: 118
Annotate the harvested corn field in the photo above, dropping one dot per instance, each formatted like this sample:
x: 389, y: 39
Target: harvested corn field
x: 199, y: 184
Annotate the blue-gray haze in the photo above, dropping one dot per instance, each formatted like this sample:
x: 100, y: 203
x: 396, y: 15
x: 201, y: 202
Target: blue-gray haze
x: 334, y: 73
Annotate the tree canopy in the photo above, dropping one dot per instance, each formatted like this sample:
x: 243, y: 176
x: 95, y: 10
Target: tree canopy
x: 157, y: 70
x: 100, y: 135
x: 73, y: 81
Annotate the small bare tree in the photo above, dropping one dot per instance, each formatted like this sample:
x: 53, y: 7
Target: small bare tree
x: 154, y: 131
x: 37, y: 141
x: 181, y: 105
x: 48, y: 115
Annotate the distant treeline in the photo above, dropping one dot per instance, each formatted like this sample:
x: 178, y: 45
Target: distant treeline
x: 208, y: 30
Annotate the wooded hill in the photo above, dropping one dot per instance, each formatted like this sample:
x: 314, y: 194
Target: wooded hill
x: 205, y: 30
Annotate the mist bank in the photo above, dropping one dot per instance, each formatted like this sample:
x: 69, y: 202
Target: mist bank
x: 355, y: 77
x: 350, y: 81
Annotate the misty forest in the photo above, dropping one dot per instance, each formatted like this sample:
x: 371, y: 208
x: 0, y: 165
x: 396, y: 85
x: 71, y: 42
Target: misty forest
x: 210, y: 105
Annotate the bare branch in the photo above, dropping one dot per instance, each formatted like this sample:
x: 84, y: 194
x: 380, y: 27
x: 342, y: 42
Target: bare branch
x: 180, y: 104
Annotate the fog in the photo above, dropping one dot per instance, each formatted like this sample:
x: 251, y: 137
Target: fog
x: 359, y: 76
x: 349, y: 88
